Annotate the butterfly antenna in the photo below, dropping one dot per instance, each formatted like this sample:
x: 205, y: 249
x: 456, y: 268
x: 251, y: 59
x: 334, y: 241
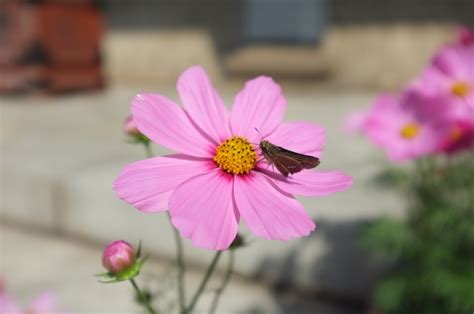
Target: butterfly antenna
x: 261, y: 136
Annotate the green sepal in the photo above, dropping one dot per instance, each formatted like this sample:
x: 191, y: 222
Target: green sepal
x: 127, y: 274
x: 139, y: 251
x: 111, y: 281
x: 138, y: 139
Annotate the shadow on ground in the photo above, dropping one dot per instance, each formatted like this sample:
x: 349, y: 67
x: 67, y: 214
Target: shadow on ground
x: 343, y: 261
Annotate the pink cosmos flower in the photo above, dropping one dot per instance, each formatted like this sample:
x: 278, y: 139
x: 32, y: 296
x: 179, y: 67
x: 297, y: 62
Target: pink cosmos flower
x: 460, y: 136
x: 118, y: 256
x: 446, y: 87
x: 217, y: 176
x: 398, y: 131
x: 465, y: 36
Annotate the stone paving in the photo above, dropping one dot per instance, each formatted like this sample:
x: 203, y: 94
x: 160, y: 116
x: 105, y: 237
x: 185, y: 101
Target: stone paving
x: 35, y: 262
x: 60, y: 155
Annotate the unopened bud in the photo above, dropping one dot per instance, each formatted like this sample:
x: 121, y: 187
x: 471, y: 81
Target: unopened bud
x: 118, y: 256
x: 129, y: 127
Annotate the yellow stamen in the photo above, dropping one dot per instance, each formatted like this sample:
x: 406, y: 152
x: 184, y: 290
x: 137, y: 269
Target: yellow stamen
x: 461, y: 89
x: 410, y: 130
x: 236, y: 156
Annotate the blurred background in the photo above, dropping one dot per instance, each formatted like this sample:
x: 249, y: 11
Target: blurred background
x: 68, y: 70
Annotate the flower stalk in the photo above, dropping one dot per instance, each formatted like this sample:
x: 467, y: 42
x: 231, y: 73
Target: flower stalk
x: 143, y: 299
x: 204, y: 282
x: 225, y: 282
x: 181, y: 268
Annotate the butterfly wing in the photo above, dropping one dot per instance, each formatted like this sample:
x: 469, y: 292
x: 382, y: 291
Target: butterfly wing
x: 287, y: 161
x: 287, y: 165
x: 306, y: 161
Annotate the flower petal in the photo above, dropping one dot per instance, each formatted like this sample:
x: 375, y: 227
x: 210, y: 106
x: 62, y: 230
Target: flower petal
x: 203, y: 103
x: 300, y: 137
x: 260, y: 105
x: 44, y: 303
x: 147, y: 184
x: 355, y: 121
x: 269, y: 212
x: 202, y: 210
x: 455, y: 61
x: 167, y: 124
x: 311, y: 183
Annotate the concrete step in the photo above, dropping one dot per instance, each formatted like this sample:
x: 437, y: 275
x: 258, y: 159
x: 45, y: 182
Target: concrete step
x: 307, y: 61
x: 369, y: 56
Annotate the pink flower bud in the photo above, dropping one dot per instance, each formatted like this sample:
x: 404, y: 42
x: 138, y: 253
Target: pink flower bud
x: 118, y: 256
x: 129, y: 127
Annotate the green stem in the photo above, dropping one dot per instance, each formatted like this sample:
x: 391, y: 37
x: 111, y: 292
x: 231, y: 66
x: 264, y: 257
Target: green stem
x: 225, y: 282
x: 203, y: 284
x: 143, y: 298
x: 148, y: 150
x: 181, y: 267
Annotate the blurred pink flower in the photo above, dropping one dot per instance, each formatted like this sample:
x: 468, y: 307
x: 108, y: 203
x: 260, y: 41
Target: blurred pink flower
x: 8, y: 305
x: 460, y: 136
x: 216, y: 178
x: 355, y: 122
x: 2, y: 286
x: 398, y: 131
x: 446, y: 86
x: 129, y: 127
x: 465, y: 36
x: 45, y: 303
x: 118, y: 256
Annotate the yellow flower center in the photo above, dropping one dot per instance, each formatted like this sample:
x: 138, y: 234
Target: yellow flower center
x: 410, y: 130
x: 236, y: 156
x: 461, y: 89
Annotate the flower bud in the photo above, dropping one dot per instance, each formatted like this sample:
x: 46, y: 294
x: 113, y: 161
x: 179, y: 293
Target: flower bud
x: 129, y: 127
x: 118, y: 256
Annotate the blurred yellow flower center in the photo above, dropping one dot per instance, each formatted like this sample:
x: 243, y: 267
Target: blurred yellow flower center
x: 455, y: 134
x: 236, y: 156
x: 410, y: 130
x: 461, y: 89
